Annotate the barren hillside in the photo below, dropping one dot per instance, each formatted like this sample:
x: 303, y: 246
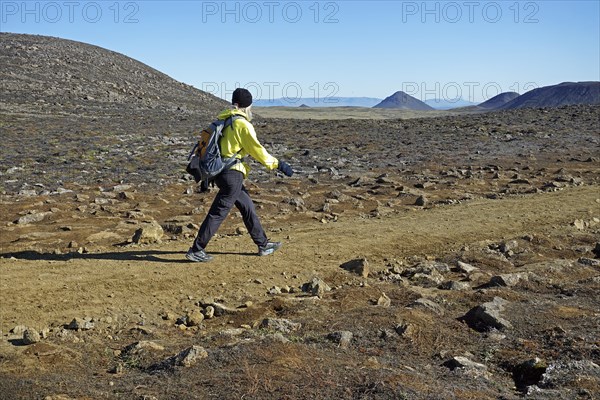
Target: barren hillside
x: 46, y: 75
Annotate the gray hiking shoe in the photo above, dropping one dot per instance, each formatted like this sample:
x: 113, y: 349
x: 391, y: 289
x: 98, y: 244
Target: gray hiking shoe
x: 198, y: 256
x: 269, y: 248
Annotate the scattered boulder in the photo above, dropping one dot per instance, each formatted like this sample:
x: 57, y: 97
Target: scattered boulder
x: 431, y: 279
x: 28, y: 192
x: 287, y: 289
x: 31, y: 336
x: 209, y: 312
x: 427, y: 304
x: 529, y: 373
x: 121, y: 187
x: 487, y: 316
x: 194, y: 318
x: 426, y: 267
x: 424, y: 185
x: 317, y: 287
x: 117, y: 369
x: 596, y: 250
x: 222, y: 309
x: 186, y: 358
x: 508, y: 279
x: 426, y: 274
x: 406, y: 329
x: 455, y: 285
x: 173, y: 229
x: 465, y: 365
x: 342, y: 338
x: 384, y: 301
x: 18, y: 330
x: 67, y: 336
x: 81, y: 324
x: 421, y: 201
x: 359, y: 266
x: 232, y: 332
x: 190, y: 356
x: 280, y: 325
x: 589, y: 261
x: 126, y: 196
x: 274, y: 290
x: 141, y: 346
x: 32, y: 218
x: 169, y: 316
x: 579, y: 224
x: 508, y: 247
x: 465, y: 267
x: 150, y: 232
x: 297, y: 202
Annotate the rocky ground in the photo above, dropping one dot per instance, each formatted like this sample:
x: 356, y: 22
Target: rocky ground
x: 453, y: 257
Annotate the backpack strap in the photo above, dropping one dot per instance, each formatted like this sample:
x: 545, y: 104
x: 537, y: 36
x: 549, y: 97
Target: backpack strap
x: 230, y: 161
x: 229, y: 121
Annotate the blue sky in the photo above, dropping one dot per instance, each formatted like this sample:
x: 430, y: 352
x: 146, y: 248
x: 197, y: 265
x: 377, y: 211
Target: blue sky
x: 434, y: 49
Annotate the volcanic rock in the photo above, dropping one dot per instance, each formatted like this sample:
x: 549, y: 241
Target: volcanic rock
x: 280, y: 324
x: 359, y: 266
x: 487, y: 316
x: 149, y: 233
x: 317, y: 287
x: 31, y: 336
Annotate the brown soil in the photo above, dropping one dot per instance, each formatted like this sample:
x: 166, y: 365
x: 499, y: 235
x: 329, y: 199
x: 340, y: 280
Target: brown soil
x: 514, y: 194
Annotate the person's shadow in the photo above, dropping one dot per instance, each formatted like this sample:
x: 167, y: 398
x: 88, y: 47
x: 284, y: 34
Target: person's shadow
x: 137, y: 255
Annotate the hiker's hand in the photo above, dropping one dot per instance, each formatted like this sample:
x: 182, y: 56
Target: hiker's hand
x: 285, y: 168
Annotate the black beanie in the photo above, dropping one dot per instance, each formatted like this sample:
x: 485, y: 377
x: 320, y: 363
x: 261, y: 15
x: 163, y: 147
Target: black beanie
x: 242, y: 97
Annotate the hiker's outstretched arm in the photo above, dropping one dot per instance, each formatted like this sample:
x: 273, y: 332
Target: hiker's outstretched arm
x: 256, y: 150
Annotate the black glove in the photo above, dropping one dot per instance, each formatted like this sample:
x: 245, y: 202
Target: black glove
x: 285, y: 168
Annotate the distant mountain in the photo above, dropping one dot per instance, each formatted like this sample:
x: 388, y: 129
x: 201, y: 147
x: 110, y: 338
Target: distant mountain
x: 42, y: 74
x: 498, y: 101
x: 320, y: 102
x: 443, y: 104
x: 404, y: 101
x: 563, y: 94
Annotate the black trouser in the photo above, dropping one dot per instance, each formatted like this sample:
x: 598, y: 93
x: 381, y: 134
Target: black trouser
x: 231, y: 192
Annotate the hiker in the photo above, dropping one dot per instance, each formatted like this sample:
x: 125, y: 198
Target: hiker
x: 239, y: 140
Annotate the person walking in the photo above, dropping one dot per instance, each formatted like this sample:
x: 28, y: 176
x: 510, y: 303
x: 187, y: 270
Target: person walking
x: 238, y: 140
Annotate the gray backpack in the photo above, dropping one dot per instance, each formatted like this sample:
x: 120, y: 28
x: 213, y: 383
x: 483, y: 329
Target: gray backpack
x: 205, y: 161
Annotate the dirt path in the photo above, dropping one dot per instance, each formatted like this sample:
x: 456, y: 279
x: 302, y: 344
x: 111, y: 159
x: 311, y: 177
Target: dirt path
x: 145, y: 281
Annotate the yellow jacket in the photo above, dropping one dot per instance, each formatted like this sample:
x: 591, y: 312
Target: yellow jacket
x: 241, y: 137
